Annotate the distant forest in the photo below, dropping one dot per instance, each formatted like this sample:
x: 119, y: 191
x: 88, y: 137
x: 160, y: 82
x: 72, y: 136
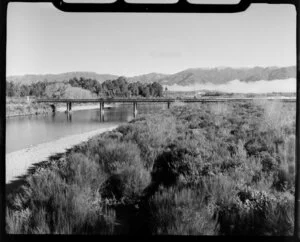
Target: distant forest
x: 85, y: 88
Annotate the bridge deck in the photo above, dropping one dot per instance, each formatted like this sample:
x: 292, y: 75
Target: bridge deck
x: 156, y: 100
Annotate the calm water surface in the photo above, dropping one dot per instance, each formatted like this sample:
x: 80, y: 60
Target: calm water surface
x: 26, y: 131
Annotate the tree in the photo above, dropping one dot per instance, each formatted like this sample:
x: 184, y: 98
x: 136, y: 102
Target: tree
x: 56, y: 90
x: 77, y: 92
x: 133, y: 89
x: 24, y: 91
x: 118, y: 87
x: 157, y: 89
x: 145, y: 91
x: 10, y: 89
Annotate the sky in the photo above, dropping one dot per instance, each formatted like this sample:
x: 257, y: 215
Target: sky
x: 44, y: 40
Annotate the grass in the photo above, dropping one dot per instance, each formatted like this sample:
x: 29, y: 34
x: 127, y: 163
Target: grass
x: 209, y: 169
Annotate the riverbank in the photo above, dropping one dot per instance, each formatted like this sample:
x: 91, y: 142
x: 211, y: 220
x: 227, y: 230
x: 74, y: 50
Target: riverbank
x: 18, y: 162
x: 27, y: 109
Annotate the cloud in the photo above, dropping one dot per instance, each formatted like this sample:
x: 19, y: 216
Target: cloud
x: 236, y: 86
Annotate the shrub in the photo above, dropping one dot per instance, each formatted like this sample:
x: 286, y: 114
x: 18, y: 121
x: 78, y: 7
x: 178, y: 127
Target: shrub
x: 82, y: 171
x: 179, y: 160
x: 127, y: 185
x: 56, y: 207
x: 283, y: 180
x: 112, y: 135
x: 289, y: 154
x: 269, y: 164
x: 280, y: 216
x: 251, y: 212
x: 255, y: 146
x: 17, y: 221
x: 174, y: 211
x: 218, y: 188
x: 114, y: 156
x: 151, y: 135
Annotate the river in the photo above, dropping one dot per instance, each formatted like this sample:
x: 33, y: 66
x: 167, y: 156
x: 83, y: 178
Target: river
x: 27, y: 131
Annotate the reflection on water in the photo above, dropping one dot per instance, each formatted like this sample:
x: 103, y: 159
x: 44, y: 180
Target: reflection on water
x: 26, y: 131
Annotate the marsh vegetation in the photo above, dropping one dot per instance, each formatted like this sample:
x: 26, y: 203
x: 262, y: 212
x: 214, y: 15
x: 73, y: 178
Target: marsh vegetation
x: 196, y: 169
x: 20, y: 106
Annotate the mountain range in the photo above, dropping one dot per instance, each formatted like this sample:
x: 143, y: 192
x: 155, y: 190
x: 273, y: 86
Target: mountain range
x: 186, y: 77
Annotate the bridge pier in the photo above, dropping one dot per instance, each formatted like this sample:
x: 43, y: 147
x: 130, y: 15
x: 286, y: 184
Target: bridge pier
x: 53, y: 108
x: 101, y: 117
x: 101, y: 111
x: 69, y: 117
x: 135, y: 109
x: 101, y: 107
x: 169, y: 104
x: 69, y: 107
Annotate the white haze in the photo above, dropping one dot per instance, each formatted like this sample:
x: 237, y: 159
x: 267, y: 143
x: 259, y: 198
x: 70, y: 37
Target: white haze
x: 236, y: 86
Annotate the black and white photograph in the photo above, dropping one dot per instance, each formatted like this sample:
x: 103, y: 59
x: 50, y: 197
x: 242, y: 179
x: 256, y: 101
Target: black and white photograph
x: 148, y: 123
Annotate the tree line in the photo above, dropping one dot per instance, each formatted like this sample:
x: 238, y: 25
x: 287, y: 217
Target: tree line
x: 119, y: 87
x: 21, y: 90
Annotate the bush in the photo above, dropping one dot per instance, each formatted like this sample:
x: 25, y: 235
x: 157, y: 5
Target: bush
x: 255, y: 146
x: 253, y: 212
x: 56, y: 207
x: 17, y: 221
x: 151, y: 135
x: 114, y: 156
x: 269, y: 164
x: 128, y: 185
x: 283, y: 180
x: 180, y: 212
x: 180, y: 160
x: 82, y: 171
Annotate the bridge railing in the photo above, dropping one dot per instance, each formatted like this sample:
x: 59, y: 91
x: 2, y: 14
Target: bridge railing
x: 131, y: 100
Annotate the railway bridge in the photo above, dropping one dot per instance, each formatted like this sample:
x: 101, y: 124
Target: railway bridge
x: 135, y: 101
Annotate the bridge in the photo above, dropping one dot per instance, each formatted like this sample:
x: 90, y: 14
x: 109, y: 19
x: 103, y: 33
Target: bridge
x: 135, y: 101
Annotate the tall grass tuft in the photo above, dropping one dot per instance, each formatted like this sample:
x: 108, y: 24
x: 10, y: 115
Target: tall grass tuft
x: 180, y: 212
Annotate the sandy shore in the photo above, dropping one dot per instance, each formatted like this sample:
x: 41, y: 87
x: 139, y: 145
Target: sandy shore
x: 19, y: 161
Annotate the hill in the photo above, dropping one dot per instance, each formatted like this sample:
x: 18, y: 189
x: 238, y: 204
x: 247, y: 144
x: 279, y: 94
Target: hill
x: 148, y: 78
x: 224, y: 75
x: 186, y: 77
x: 28, y: 79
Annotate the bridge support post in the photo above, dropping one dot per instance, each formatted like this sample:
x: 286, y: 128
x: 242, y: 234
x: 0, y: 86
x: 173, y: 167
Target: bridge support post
x: 101, y: 107
x: 101, y: 117
x: 69, y: 117
x: 169, y: 104
x: 101, y: 111
x: 53, y: 108
x: 134, y: 109
x: 69, y: 107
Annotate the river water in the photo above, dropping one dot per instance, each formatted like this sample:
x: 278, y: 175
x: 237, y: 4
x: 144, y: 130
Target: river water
x: 26, y: 131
